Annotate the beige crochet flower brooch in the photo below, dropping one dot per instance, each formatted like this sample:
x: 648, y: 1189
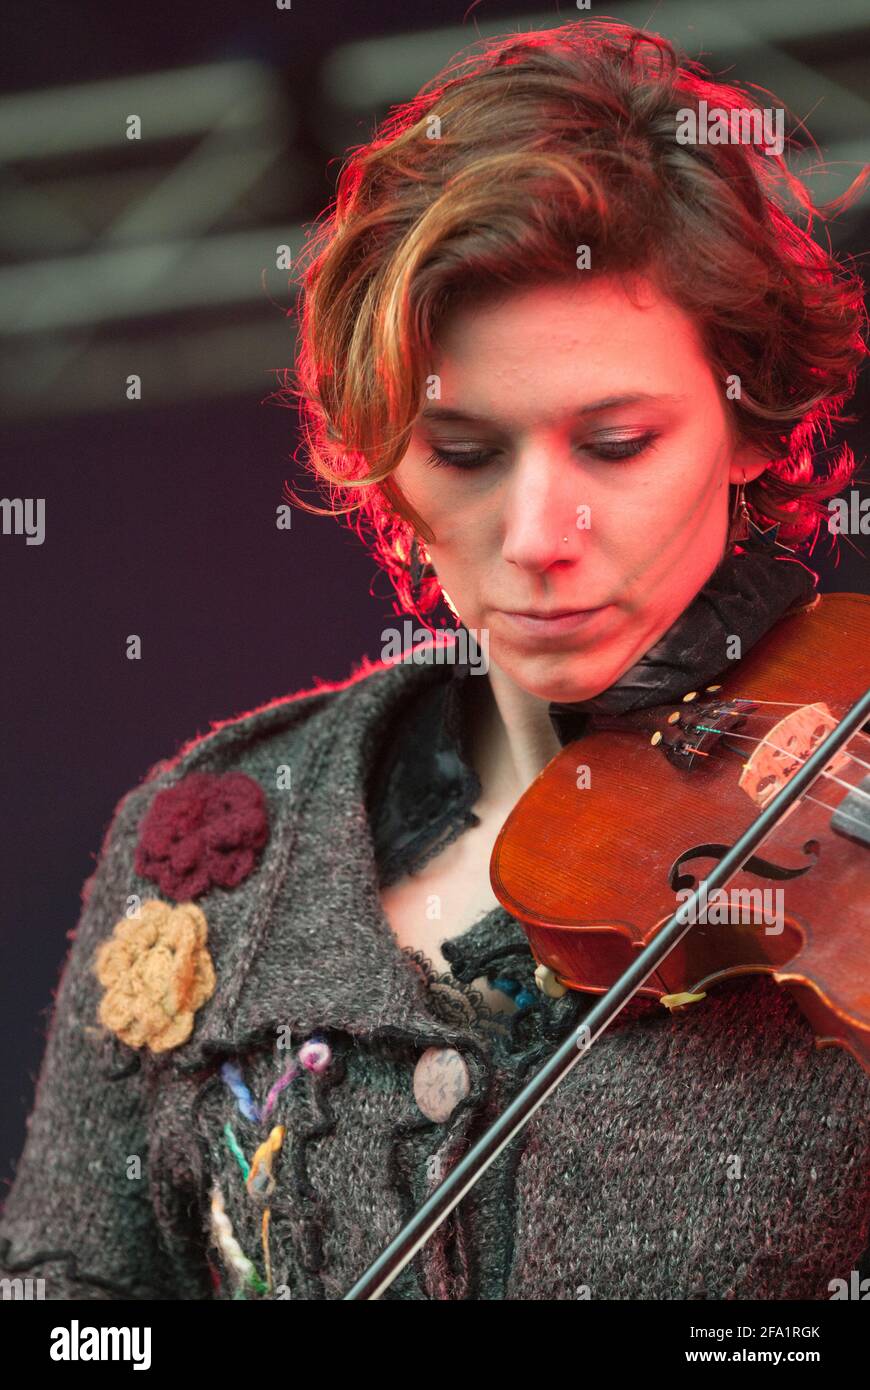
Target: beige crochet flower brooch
x: 157, y: 972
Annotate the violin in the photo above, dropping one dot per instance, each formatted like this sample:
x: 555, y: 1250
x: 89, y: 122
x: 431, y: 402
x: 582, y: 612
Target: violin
x: 617, y: 858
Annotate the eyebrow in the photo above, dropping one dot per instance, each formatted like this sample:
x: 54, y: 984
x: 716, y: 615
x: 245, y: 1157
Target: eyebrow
x: 446, y: 414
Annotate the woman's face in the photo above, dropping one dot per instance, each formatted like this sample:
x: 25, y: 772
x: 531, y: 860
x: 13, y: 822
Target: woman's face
x: 570, y: 410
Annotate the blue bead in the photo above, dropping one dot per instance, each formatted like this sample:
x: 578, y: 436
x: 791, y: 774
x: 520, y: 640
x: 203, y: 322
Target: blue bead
x: 509, y: 987
x: 524, y: 998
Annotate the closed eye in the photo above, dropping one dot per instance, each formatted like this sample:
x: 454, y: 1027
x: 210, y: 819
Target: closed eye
x: 608, y: 450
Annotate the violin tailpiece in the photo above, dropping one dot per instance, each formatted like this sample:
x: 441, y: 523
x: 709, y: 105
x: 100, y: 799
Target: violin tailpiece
x: 685, y: 733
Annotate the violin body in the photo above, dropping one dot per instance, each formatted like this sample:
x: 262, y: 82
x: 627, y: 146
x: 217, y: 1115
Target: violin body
x: 619, y: 827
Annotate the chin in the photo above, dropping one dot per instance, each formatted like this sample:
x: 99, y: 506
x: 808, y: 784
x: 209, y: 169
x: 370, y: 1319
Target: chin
x: 562, y: 687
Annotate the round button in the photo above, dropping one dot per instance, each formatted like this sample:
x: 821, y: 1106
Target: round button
x: 441, y: 1081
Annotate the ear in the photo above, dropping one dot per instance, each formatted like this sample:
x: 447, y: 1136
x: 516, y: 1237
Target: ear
x: 747, y: 464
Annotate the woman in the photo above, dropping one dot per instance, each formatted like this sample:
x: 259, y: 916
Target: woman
x: 561, y: 360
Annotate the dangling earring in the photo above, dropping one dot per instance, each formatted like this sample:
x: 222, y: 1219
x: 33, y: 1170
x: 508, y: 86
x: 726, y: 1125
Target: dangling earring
x: 418, y: 572
x: 738, y: 528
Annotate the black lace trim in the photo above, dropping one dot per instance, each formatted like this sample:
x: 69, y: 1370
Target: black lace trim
x: 455, y: 1003
x: 525, y: 1037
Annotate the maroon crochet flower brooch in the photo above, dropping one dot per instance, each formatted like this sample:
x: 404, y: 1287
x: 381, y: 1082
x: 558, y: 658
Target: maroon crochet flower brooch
x: 206, y: 831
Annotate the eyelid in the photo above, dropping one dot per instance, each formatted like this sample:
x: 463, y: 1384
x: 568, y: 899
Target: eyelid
x: 443, y: 456
x: 617, y: 432
x: 622, y: 431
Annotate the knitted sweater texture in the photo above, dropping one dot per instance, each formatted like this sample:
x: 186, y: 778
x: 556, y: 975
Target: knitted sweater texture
x: 714, y: 1153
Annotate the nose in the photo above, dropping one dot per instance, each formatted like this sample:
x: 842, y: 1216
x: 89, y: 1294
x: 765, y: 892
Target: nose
x: 541, y: 499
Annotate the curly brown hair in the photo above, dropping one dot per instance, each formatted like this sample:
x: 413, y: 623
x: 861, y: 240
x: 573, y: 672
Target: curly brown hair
x: 519, y: 150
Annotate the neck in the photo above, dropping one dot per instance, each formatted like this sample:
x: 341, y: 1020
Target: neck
x: 511, y: 736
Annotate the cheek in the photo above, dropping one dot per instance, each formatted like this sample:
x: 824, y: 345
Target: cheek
x: 662, y: 543
x: 421, y: 485
x: 445, y: 506
x: 462, y: 527
x: 460, y: 567
x: 462, y: 570
x: 679, y: 505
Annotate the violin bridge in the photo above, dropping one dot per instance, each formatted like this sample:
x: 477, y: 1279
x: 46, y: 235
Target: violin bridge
x: 785, y: 748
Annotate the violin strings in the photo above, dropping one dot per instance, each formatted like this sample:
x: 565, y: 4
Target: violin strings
x: 824, y: 805
x: 753, y: 700
x: 730, y: 733
x: 860, y: 761
x: 845, y: 815
x: 832, y: 776
x: 741, y: 699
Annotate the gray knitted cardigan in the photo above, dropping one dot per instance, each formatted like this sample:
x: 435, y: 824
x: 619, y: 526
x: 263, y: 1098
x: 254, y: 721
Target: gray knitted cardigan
x: 710, y: 1154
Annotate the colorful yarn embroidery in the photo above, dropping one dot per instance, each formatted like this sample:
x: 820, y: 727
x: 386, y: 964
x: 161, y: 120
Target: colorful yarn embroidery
x: 225, y: 1240
x: 315, y: 1055
x: 277, y: 1088
x: 260, y: 1182
x: 267, y: 1258
x: 205, y: 831
x: 235, y: 1149
x: 157, y: 971
x: 232, y: 1075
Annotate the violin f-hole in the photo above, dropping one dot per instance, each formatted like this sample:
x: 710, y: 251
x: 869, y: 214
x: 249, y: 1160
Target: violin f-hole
x: 765, y: 868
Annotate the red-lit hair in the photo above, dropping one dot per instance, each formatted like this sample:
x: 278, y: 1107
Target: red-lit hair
x: 545, y: 141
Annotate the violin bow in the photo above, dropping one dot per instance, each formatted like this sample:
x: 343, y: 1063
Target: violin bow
x: 414, y: 1235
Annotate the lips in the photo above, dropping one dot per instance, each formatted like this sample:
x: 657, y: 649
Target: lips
x: 555, y: 613
x: 555, y: 624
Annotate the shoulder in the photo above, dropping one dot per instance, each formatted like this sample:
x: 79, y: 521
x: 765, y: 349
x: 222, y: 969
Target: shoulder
x: 252, y: 749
